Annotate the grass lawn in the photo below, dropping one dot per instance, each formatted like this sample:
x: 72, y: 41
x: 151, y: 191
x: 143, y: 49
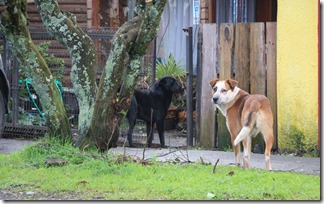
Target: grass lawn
x: 88, y: 175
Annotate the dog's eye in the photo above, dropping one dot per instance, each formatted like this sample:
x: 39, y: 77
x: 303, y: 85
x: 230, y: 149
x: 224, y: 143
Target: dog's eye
x: 215, y: 89
x: 223, y: 90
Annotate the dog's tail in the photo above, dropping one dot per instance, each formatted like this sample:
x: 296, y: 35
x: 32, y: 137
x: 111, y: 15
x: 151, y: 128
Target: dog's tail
x: 249, y: 122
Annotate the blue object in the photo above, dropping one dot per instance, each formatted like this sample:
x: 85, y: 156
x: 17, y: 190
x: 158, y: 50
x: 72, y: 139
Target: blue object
x: 58, y: 85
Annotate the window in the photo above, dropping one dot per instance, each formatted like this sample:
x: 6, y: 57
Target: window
x: 235, y: 11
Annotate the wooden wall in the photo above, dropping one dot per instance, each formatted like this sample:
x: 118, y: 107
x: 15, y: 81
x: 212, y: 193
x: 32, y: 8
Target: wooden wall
x: 206, y: 112
x: 247, y: 53
x: 77, y: 7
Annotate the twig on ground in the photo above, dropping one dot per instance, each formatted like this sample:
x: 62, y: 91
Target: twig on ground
x: 124, y: 146
x: 162, y: 155
x: 186, y: 157
x: 215, y: 166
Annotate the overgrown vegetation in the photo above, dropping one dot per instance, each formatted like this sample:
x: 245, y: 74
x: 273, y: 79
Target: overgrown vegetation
x: 296, y: 143
x: 170, y: 68
x: 89, y: 175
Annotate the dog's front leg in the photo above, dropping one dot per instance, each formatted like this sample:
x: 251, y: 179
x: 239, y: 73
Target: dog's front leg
x: 236, y: 149
x: 237, y: 154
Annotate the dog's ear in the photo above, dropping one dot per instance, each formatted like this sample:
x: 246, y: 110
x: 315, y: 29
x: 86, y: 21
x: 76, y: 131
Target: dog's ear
x: 213, y: 82
x: 232, y: 83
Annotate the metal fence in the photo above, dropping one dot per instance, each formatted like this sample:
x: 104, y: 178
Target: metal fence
x: 25, y: 118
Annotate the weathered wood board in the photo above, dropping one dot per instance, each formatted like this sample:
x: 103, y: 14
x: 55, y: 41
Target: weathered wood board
x: 208, y: 72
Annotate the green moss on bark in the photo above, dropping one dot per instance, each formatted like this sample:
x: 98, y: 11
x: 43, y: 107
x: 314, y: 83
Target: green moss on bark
x: 120, y: 74
x: 14, y: 26
x: 82, y: 52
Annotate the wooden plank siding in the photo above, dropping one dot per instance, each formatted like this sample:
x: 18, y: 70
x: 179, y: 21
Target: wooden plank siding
x: 76, y: 7
x: 227, y: 39
x: 207, y: 121
x: 257, y: 58
x: 242, y: 56
x: 257, y: 68
x: 271, y: 66
x: 247, y: 53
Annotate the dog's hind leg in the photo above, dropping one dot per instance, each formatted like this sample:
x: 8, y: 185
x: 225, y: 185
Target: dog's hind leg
x: 150, y: 133
x: 267, y: 132
x: 246, y: 152
x: 160, y: 129
x: 131, y: 124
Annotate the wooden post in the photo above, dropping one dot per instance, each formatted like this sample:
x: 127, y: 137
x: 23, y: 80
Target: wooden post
x: 206, y: 132
x: 227, y: 36
x: 242, y: 55
x: 271, y: 51
x: 257, y: 58
x: 257, y: 67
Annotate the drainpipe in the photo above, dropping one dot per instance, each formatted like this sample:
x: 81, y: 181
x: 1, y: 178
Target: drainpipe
x: 153, y: 69
x: 189, y: 105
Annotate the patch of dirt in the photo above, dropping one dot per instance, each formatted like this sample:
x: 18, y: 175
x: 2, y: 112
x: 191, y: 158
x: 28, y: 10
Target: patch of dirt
x: 32, y: 193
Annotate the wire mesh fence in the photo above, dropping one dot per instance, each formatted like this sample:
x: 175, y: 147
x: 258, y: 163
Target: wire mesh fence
x: 26, y: 118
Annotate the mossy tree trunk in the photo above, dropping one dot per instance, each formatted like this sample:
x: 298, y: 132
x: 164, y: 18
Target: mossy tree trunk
x: 14, y: 25
x: 121, y: 72
x: 100, y: 119
x: 101, y: 109
x: 83, y: 53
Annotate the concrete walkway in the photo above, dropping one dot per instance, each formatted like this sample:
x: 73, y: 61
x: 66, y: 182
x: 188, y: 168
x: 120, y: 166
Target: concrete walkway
x: 175, y: 140
x: 279, y: 162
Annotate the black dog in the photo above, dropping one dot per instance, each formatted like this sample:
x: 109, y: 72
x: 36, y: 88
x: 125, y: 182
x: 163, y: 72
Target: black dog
x: 151, y: 105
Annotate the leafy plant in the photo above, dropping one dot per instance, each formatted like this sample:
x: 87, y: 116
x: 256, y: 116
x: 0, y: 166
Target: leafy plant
x: 169, y: 68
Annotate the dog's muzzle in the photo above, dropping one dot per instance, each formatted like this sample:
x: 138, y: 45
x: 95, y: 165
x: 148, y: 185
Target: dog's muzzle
x: 215, y: 100
x: 182, y: 90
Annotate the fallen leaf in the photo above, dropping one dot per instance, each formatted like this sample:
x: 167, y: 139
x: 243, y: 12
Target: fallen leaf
x: 230, y: 173
x: 210, y: 195
x: 83, y: 182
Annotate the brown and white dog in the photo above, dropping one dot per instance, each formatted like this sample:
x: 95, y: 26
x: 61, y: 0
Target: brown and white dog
x: 246, y: 116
